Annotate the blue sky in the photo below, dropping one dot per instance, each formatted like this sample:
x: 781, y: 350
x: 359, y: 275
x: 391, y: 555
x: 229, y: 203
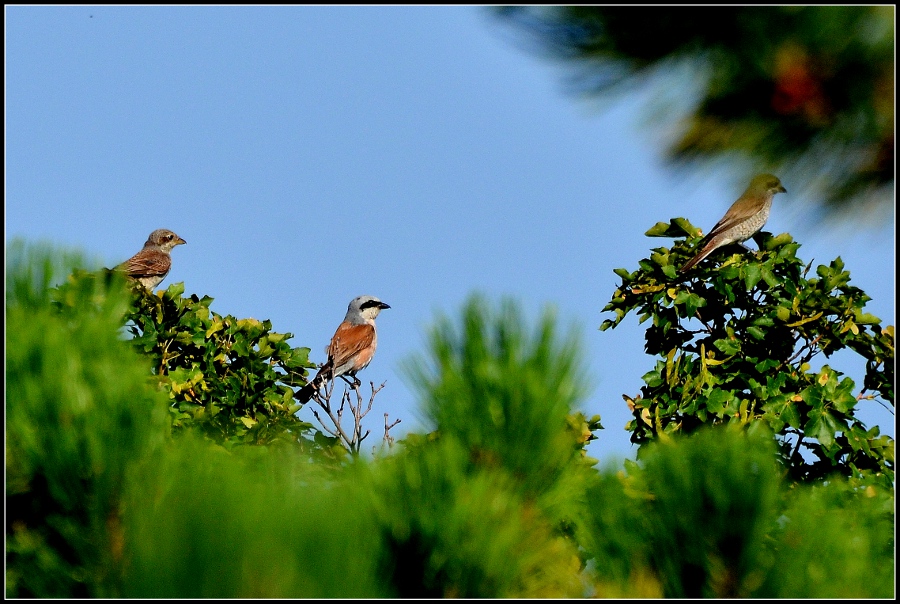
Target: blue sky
x: 312, y: 154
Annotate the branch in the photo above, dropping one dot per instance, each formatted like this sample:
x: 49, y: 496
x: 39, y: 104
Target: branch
x: 325, y: 403
x: 351, y: 439
x: 805, y: 346
x: 797, y: 447
x: 387, y: 429
x: 862, y: 395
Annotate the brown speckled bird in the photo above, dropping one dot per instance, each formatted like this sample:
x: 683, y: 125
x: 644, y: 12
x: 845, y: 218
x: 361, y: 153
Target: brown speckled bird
x: 743, y: 219
x: 151, y: 265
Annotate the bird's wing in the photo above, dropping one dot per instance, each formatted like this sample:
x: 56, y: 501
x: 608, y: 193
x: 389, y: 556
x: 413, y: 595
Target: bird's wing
x: 736, y: 214
x: 350, y: 341
x: 147, y: 262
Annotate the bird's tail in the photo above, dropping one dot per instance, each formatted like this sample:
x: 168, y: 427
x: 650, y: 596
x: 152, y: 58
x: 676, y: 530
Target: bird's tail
x: 306, y: 392
x: 706, y: 251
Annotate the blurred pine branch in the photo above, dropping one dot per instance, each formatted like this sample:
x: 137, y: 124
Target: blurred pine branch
x: 800, y: 90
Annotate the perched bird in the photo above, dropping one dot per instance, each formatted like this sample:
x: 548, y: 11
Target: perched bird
x: 352, y: 346
x: 151, y: 265
x: 743, y: 219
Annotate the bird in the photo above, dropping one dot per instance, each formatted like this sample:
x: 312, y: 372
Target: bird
x: 352, y: 346
x: 743, y: 219
x: 151, y: 265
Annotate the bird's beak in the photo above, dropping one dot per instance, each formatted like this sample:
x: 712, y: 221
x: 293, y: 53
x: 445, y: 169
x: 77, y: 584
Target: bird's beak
x: 382, y: 305
x: 782, y: 189
x: 180, y: 241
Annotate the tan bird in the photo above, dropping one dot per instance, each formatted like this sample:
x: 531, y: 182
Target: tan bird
x: 743, y: 219
x: 151, y: 265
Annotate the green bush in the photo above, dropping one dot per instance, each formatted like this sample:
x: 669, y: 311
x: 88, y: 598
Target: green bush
x: 453, y: 530
x: 506, y: 460
x: 710, y: 515
x: 78, y: 415
x: 106, y: 499
x: 509, y: 397
x: 250, y: 522
x: 232, y: 378
x: 834, y: 540
x: 736, y: 337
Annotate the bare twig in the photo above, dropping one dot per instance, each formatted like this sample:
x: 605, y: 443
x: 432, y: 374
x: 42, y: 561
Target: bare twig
x: 809, y: 346
x: 709, y: 329
x: 337, y: 431
x: 797, y: 448
x: 808, y: 266
x: 350, y: 438
x: 388, y: 439
x: 862, y: 395
x: 889, y: 409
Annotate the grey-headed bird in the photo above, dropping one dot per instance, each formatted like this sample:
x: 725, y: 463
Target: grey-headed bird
x: 352, y: 346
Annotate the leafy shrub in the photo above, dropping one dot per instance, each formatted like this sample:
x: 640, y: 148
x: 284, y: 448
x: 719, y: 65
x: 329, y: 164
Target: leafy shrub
x: 736, y: 336
x: 78, y: 415
x: 709, y: 515
x: 484, y: 506
x: 453, y: 530
x: 106, y: 499
x: 232, y: 379
x: 250, y: 522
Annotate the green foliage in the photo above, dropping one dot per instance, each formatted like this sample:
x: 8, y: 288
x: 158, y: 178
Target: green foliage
x: 835, y: 540
x: 231, y: 378
x: 736, y: 336
x: 506, y: 459
x: 104, y: 499
x: 252, y: 522
x: 78, y: 415
x: 508, y: 396
x: 713, y: 498
x: 451, y: 529
x: 807, y: 88
x: 708, y: 515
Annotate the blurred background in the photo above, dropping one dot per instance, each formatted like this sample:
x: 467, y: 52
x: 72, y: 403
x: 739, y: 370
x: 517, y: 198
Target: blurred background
x: 312, y: 154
